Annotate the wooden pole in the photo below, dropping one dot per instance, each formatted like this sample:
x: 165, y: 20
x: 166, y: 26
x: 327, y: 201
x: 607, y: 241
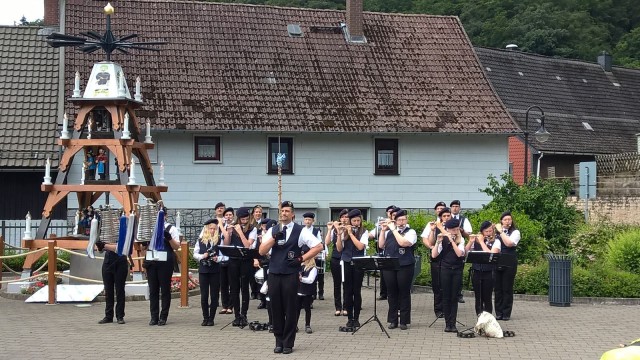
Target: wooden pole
x: 1, y: 254
x: 51, y: 247
x: 184, y: 274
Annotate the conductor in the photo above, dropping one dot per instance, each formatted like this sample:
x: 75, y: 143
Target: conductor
x: 285, y: 242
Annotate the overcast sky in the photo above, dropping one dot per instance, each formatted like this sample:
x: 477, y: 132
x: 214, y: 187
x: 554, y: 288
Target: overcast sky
x: 12, y: 10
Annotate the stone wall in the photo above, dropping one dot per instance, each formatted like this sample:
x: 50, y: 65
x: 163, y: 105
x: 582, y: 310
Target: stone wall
x: 617, y: 209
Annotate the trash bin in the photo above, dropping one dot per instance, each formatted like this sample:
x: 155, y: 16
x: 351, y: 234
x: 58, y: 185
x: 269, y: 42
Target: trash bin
x: 560, y: 284
x: 417, y: 267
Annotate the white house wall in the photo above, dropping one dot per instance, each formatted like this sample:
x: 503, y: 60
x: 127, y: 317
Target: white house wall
x: 329, y: 170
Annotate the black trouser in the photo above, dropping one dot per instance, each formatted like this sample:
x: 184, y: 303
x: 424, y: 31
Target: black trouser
x: 159, y: 277
x: 504, y: 290
x: 336, y: 274
x: 482, y: 287
x: 450, y: 282
x: 114, y: 275
x: 320, y: 283
x: 283, y: 296
x: 224, y: 286
x: 383, y: 285
x: 240, y: 273
x: 304, y: 302
x: 352, y: 290
x: 253, y: 284
x: 209, y: 286
x: 436, y: 288
x: 399, y: 293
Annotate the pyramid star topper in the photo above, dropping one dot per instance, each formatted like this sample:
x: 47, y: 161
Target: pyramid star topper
x: 107, y: 42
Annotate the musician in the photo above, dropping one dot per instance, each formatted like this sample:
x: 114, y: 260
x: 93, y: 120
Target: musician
x: 505, y: 276
x: 255, y: 221
x: 309, y: 219
x: 227, y: 308
x: 482, y: 274
x: 375, y: 234
x: 240, y: 234
x: 219, y: 212
x: 115, y: 269
x: 285, y: 242
x: 334, y: 233
x: 397, y: 238
x: 159, y: 276
x: 306, y: 289
x: 355, y: 240
x: 206, y: 253
x: 450, y: 247
x: 465, y: 230
x: 430, y: 241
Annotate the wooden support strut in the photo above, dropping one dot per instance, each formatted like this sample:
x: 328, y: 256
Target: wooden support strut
x: 51, y: 250
x: 184, y: 274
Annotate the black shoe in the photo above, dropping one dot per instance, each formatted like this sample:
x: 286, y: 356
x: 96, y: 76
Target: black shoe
x: 254, y: 296
x: 392, y: 326
x: 210, y: 322
x: 505, y: 318
x: 499, y: 317
x: 313, y: 297
x: 308, y: 330
x: 287, y: 350
x: 204, y: 322
x: 243, y: 321
x: 121, y: 321
x: 153, y: 322
x: 356, y: 323
x: 311, y: 306
x: 461, y: 300
x: 403, y: 327
x: 321, y: 297
x: 105, y: 320
x: 349, y: 323
x: 162, y: 322
x: 454, y: 329
x: 271, y: 328
x: 277, y: 349
x: 262, y: 305
x: 236, y: 322
x: 448, y: 329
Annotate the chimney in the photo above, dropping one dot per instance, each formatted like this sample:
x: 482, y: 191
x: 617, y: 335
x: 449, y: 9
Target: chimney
x: 512, y: 47
x: 354, y: 19
x: 51, y: 12
x: 605, y: 60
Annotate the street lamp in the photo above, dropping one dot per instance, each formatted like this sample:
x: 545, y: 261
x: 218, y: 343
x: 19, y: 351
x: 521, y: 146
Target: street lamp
x: 541, y: 135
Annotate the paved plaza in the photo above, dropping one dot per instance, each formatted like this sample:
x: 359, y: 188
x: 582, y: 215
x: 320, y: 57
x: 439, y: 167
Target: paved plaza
x: 67, y: 331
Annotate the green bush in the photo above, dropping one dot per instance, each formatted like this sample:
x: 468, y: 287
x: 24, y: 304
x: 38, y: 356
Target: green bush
x: 624, y: 251
x: 532, y: 246
x: 532, y: 279
x: 603, y: 281
x: 17, y: 263
x: 590, y: 243
x: 543, y: 200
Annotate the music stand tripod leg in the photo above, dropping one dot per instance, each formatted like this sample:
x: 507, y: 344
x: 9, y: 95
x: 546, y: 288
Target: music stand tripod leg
x: 375, y: 311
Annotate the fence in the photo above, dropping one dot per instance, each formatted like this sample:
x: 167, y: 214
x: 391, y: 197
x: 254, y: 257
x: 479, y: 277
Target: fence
x: 13, y: 230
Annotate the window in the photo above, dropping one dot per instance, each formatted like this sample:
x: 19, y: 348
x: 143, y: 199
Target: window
x: 284, y: 146
x: 386, y: 155
x: 207, y: 148
x: 551, y: 172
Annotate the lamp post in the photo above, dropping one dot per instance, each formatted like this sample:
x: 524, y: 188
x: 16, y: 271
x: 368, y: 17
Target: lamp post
x: 541, y: 135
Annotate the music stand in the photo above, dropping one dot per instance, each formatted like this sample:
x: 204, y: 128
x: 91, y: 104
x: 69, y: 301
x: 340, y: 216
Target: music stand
x: 237, y: 252
x: 487, y: 258
x: 375, y: 263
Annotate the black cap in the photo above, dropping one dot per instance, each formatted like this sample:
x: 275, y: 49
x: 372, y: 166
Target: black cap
x: 354, y: 213
x: 439, y: 203
x: 220, y: 204
x: 443, y: 211
x: 401, y: 212
x: 390, y: 207
x: 344, y: 212
x: 485, y: 225
x: 271, y: 223
x: 506, y: 213
x: 452, y: 223
x: 211, y: 221
x: 455, y: 202
x: 242, y: 212
x: 264, y: 221
x: 227, y: 210
x: 286, y: 204
x: 309, y: 215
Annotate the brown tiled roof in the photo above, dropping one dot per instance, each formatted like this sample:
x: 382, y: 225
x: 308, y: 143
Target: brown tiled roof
x: 570, y: 92
x: 232, y: 67
x: 28, y: 98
